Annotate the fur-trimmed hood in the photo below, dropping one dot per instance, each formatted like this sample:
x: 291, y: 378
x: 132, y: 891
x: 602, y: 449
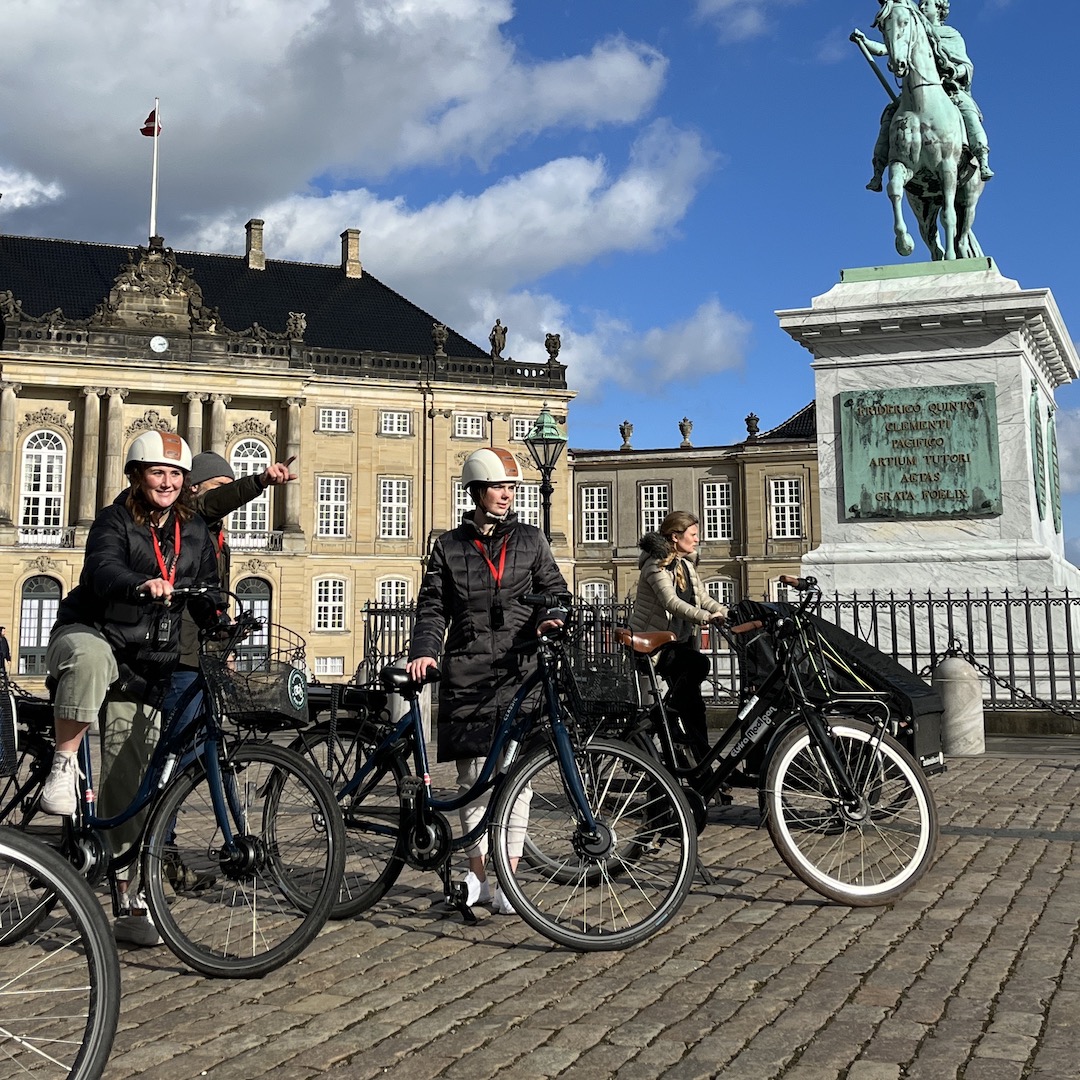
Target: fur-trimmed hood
x: 653, y: 545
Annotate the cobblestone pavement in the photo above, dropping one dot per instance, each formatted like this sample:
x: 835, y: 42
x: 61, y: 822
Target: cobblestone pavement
x: 974, y: 974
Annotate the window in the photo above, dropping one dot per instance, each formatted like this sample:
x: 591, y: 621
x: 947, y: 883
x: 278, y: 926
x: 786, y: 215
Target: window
x: 596, y: 592
x: 330, y: 604
x: 393, y: 592
x: 780, y: 592
x: 331, y: 506
x: 395, y: 423
x: 520, y: 426
x: 393, y: 509
x: 463, y: 503
x: 654, y: 501
x: 785, y: 508
x: 468, y: 426
x: 333, y: 419
x: 716, y: 513
x: 329, y: 665
x: 37, y: 613
x: 527, y: 504
x: 249, y: 525
x: 721, y: 589
x: 254, y: 594
x: 595, y: 515
x: 41, y: 503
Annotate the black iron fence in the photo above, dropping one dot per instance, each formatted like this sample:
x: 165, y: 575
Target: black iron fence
x: 1023, y: 643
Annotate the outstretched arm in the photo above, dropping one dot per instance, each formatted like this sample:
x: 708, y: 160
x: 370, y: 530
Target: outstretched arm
x: 875, y: 48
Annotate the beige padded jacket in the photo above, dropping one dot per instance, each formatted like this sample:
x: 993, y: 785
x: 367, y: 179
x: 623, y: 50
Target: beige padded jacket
x: 656, y: 602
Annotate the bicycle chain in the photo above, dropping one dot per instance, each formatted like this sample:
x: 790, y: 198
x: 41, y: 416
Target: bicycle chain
x: 956, y: 649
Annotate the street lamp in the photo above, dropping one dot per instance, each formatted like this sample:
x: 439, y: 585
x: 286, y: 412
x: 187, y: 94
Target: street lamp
x: 545, y: 442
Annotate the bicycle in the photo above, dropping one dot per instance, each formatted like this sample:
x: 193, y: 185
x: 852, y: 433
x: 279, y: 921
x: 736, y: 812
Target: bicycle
x: 847, y: 806
x: 242, y: 851
x: 59, y: 972
x: 610, y: 848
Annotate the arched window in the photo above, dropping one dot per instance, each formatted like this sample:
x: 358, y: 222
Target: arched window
x: 41, y: 499
x: 596, y: 592
x: 255, y: 595
x: 249, y: 525
x: 723, y: 590
x: 330, y: 604
x: 37, y: 613
x: 395, y: 626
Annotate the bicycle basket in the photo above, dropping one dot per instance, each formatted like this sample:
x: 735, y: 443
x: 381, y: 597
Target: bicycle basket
x: 600, y: 681
x: 8, y: 745
x: 263, y: 683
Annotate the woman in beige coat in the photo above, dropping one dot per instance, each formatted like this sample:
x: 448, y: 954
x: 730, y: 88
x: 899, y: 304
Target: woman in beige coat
x: 670, y: 596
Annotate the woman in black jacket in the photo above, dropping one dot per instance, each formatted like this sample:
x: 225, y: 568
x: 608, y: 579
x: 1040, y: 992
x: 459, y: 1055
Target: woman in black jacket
x: 471, y: 597
x: 108, y: 642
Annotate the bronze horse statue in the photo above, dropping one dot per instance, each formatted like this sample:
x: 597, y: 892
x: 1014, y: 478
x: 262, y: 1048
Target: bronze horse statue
x: 928, y: 159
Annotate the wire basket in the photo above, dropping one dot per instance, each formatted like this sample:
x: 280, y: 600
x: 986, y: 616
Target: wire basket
x: 601, y: 682
x: 262, y: 683
x: 8, y: 745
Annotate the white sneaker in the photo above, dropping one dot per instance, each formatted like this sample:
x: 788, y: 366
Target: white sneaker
x: 500, y: 903
x: 136, y: 926
x: 476, y: 891
x: 60, y: 794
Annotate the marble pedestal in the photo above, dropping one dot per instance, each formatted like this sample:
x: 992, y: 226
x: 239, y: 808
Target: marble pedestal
x: 899, y: 328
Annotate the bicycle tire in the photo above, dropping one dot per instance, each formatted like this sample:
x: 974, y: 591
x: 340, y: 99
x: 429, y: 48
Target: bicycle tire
x: 245, y: 915
x: 605, y: 893
x: 374, y: 842
x: 861, y: 856
x: 59, y: 974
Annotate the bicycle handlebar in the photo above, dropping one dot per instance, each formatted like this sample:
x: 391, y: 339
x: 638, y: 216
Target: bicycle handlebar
x: 548, y: 600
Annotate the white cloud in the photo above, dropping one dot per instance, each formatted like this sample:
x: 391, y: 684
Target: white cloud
x: 1068, y: 437
x: 737, y: 20
x: 20, y: 189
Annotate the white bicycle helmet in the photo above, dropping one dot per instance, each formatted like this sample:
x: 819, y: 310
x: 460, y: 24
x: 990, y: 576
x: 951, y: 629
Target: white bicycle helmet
x: 159, y: 448
x: 490, y: 466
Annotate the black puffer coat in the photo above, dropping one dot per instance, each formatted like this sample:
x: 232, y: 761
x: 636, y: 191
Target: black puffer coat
x: 479, y: 672
x: 119, y: 558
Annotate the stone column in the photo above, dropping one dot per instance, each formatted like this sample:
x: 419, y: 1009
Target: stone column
x: 8, y: 392
x: 90, y: 455
x: 194, y: 420
x: 217, y: 422
x: 114, y: 442
x: 292, y: 449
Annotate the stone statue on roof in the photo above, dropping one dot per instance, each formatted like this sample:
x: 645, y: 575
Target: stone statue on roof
x: 497, y: 337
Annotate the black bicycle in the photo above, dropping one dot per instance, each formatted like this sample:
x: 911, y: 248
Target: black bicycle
x: 606, y: 838
x: 59, y: 972
x: 242, y: 852
x: 847, y: 806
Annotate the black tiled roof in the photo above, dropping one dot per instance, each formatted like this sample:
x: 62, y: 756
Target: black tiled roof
x: 803, y: 425
x: 348, y: 314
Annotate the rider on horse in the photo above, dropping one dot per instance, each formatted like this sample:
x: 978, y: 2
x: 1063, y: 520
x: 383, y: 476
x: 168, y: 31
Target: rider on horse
x: 956, y: 70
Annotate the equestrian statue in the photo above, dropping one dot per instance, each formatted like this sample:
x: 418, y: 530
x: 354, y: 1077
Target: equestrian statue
x: 931, y: 140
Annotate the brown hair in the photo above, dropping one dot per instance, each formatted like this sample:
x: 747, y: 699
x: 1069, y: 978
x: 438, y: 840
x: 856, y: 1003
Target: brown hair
x: 678, y: 521
x: 140, y: 509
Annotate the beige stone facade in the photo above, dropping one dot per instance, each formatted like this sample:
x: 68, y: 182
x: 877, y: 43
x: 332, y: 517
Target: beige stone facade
x: 379, y: 437
x: 756, y: 502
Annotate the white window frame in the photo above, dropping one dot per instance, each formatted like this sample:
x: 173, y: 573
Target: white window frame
x: 463, y: 503
x: 654, y: 503
x: 779, y: 592
x: 785, y: 509
x: 329, y: 665
x: 595, y: 513
x: 331, y: 507
x: 395, y: 507
x: 41, y: 496
x: 470, y: 426
x: 595, y: 592
x: 527, y: 504
x: 395, y: 422
x: 334, y: 419
x: 393, y: 591
x: 717, y: 510
x: 38, y: 603
x: 722, y: 590
x: 329, y: 607
x: 253, y: 518
x: 520, y: 426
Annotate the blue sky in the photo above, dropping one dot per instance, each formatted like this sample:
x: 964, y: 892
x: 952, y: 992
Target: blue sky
x: 650, y: 178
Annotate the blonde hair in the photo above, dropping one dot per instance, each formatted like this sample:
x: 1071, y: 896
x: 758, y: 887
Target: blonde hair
x: 678, y: 521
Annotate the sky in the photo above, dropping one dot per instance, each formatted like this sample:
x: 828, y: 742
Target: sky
x: 652, y: 179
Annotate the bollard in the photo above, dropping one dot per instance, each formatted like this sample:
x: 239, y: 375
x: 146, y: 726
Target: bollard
x: 962, y: 727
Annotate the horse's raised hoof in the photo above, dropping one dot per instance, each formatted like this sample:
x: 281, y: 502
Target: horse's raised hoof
x: 904, y: 244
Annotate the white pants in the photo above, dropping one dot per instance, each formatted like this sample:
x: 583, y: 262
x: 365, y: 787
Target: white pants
x: 469, y: 770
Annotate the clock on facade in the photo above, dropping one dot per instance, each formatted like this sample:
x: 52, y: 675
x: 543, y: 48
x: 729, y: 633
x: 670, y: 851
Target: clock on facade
x: 159, y: 344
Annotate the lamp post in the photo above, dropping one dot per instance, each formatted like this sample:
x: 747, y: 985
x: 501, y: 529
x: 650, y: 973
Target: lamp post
x: 545, y: 442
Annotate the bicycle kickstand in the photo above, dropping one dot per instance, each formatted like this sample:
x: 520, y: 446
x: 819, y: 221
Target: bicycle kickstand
x: 455, y: 895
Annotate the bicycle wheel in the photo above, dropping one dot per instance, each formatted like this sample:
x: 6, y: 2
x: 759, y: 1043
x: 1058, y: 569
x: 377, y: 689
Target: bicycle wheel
x: 243, y: 912
x: 862, y: 855
x: 374, y: 853
x: 59, y: 972
x: 20, y: 791
x: 607, y: 891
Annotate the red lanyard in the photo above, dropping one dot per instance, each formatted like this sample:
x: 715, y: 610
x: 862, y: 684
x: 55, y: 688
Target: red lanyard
x: 496, y: 574
x: 168, y: 574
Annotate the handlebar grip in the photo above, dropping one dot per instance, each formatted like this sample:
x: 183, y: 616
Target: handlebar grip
x: 746, y: 627
x: 548, y: 600
x: 799, y: 583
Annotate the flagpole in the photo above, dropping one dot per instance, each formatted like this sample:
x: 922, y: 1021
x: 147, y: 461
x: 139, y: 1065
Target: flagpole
x: 153, y: 179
